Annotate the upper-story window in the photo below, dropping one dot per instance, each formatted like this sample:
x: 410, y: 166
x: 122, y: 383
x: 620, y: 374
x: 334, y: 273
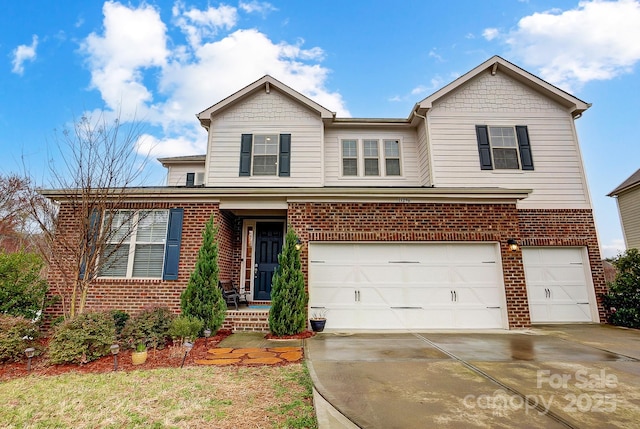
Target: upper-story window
x: 392, y: 157
x: 265, y: 155
x: 349, y: 157
x: 504, y: 147
x: 135, y: 247
x: 362, y: 157
x: 371, y: 159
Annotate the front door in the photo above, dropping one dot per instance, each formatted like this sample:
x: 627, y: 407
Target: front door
x: 268, y: 247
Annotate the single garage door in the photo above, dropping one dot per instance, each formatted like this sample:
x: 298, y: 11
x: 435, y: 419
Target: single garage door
x: 558, y: 284
x: 407, y: 286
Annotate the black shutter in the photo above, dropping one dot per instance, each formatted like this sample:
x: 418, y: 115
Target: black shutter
x: 525, y: 148
x: 92, y: 233
x: 285, y: 155
x: 484, y: 149
x: 172, y: 246
x: 245, y: 154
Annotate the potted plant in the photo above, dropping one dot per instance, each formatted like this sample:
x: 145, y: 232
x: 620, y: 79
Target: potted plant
x: 318, y: 319
x: 139, y: 356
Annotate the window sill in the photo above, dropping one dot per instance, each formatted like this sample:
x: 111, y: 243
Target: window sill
x: 129, y: 280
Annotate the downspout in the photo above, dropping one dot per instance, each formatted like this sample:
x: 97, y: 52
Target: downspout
x: 429, y: 151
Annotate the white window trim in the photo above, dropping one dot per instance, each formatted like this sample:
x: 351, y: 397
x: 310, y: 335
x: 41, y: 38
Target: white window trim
x: 384, y: 156
x: 253, y: 154
x: 517, y: 147
x: 382, y: 168
x: 132, y: 242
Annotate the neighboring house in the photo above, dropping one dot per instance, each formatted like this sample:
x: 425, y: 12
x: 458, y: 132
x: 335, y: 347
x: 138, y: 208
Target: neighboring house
x: 405, y: 223
x: 628, y: 197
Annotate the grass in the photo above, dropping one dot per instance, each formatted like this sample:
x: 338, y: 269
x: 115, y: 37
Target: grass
x: 203, y: 397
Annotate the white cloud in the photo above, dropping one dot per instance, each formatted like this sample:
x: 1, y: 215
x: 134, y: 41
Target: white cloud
x: 133, y: 40
x: 594, y: 41
x: 138, y: 72
x: 24, y: 53
x: 171, y: 146
x: 262, y: 7
x: 203, y: 24
x: 490, y: 33
x: 613, y: 249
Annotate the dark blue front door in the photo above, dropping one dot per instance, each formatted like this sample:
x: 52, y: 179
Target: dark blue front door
x: 268, y: 247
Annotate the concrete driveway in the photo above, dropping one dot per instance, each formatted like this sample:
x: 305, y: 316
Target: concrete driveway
x: 556, y: 376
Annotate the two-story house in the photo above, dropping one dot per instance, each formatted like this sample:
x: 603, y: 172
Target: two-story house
x: 472, y: 212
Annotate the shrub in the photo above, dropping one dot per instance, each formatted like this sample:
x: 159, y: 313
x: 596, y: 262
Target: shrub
x: 202, y: 298
x: 185, y: 328
x: 287, y: 315
x: 149, y: 327
x: 22, y: 289
x: 120, y: 319
x: 623, y: 299
x: 83, y: 339
x: 16, y: 334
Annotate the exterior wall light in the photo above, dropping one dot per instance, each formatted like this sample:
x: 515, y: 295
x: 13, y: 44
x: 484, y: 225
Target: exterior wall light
x: 30, y: 352
x: 115, y: 349
x: 513, y: 244
x: 298, y: 245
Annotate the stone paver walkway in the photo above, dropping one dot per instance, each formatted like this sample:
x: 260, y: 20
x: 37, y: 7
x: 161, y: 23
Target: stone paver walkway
x: 252, y: 356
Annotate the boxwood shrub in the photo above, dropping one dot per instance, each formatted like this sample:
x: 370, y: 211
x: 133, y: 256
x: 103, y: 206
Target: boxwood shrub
x: 149, y: 327
x: 83, y: 339
x: 16, y: 335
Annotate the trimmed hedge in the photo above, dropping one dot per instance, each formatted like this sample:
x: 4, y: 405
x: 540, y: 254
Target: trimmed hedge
x: 149, y: 327
x: 16, y: 335
x: 83, y: 339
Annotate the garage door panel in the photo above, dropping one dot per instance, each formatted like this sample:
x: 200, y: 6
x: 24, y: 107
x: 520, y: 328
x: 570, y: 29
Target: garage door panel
x: 558, y: 288
x: 407, y: 285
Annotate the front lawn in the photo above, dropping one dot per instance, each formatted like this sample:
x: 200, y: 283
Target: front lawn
x: 202, y: 397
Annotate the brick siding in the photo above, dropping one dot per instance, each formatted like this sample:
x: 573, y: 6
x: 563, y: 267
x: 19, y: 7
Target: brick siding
x: 389, y: 222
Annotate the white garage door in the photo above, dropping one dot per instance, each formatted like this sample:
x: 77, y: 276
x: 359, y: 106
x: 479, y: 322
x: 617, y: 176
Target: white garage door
x: 407, y: 286
x: 558, y: 285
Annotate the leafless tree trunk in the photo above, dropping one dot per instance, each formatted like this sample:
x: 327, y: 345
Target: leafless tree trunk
x: 96, y: 162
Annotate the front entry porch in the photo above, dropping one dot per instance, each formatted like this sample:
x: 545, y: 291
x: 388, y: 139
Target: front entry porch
x: 247, y: 319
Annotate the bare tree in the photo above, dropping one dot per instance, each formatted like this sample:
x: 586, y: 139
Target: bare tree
x: 80, y: 215
x: 14, y: 213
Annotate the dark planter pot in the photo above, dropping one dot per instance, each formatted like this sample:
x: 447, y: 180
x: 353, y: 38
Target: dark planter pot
x: 317, y: 325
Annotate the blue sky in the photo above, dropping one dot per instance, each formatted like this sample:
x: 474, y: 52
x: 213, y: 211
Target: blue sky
x: 165, y: 61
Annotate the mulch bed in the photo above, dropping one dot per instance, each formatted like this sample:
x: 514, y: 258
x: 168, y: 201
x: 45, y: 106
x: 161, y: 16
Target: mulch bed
x: 169, y: 357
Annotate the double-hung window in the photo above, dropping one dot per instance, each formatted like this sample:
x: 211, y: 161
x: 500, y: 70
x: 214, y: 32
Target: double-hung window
x: 135, y: 243
x: 349, y: 157
x: 370, y: 157
x: 265, y: 154
x: 504, y: 147
x: 392, y: 157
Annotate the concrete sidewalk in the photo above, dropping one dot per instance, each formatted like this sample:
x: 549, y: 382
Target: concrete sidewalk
x: 556, y: 376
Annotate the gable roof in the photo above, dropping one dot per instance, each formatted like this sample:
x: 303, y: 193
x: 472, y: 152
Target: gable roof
x: 264, y: 83
x: 497, y: 63
x: 631, y: 182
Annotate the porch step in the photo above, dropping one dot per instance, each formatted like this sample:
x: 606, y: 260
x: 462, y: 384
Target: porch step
x: 244, y: 320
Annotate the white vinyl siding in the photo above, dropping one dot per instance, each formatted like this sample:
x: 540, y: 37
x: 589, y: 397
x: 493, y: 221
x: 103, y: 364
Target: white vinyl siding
x: 558, y: 180
x: 177, y: 174
x: 629, y: 207
x: 136, y: 249
x: 266, y: 114
x: 409, y: 171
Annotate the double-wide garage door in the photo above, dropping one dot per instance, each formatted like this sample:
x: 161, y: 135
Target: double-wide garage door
x: 407, y: 286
